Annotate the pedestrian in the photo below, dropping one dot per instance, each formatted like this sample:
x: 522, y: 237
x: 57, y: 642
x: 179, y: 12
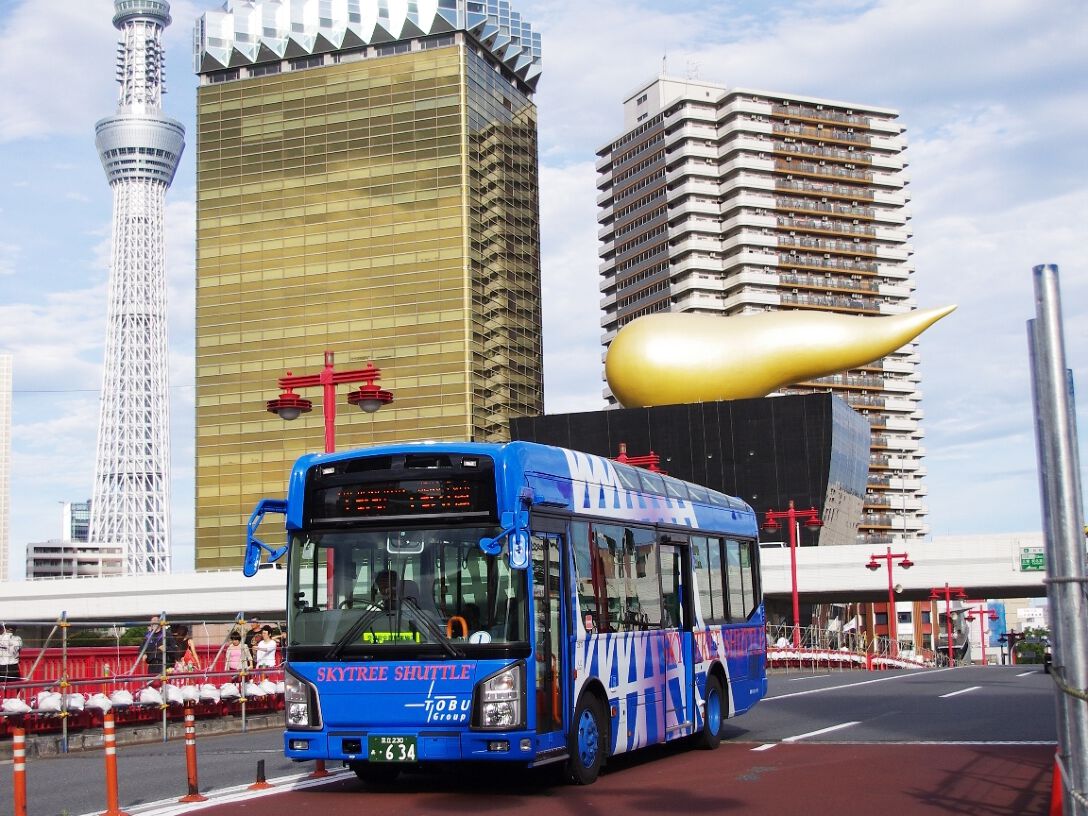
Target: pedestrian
x: 189, y: 660
x: 152, y: 653
x: 10, y: 647
x: 238, y: 658
x: 266, y: 651
x: 252, y: 637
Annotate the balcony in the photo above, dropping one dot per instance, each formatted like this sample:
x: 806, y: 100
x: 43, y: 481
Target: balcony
x: 813, y: 114
x: 826, y: 189
x: 826, y: 227
x: 822, y: 134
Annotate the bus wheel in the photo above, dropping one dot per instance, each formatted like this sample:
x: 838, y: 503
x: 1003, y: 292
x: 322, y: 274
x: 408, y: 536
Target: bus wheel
x: 711, y: 735
x: 375, y: 774
x: 587, y: 742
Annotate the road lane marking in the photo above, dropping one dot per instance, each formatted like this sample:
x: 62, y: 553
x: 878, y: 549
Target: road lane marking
x: 852, y: 685
x: 827, y: 730
x: 807, y: 677
x: 765, y: 747
x: 1025, y: 674
x: 235, y: 793
x: 961, y: 691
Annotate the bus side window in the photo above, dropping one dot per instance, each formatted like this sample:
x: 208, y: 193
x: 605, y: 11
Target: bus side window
x: 740, y: 579
x: 583, y: 567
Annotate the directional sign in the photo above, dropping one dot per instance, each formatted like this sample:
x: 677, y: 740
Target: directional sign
x: 1032, y: 559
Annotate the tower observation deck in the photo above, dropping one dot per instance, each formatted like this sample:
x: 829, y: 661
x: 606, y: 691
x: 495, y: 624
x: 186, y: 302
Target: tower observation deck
x: 140, y: 149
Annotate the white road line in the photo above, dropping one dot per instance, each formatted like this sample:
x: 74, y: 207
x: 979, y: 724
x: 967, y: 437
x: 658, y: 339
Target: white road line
x: 236, y: 793
x: 809, y: 677
x: 852, y: 685
x: 821, y: 731
x: 961, y: 691
x: 765, y: 747
x: 1025, y: 674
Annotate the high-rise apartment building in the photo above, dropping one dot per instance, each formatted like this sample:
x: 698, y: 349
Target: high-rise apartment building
x: 5, y: 464
x: 72, y: 555
x: 725, y: 201
x: 366, y: 184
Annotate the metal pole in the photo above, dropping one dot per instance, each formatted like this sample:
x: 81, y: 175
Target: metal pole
x: 948, y: 623
x: 791, y: 517
x: 328, y: 404
x: 1056, y: 435
x: 892, y: 622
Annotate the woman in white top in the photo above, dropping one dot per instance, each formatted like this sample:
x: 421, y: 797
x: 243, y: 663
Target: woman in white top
x: 266, y: 649
x: 10, y: 647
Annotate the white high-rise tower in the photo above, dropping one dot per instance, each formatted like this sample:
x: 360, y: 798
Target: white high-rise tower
x: 140, y: 149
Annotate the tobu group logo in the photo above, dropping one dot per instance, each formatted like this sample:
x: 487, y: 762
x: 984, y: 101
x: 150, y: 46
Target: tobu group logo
x: 444, y: 708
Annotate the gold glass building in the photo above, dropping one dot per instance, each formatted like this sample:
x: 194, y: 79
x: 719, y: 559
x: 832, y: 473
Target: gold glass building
x: 367, y: 187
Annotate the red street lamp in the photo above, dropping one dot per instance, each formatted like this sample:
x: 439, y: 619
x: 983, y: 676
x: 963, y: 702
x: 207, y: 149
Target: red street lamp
x: 906, y: 563
x: 983, y: 614
x: 369, y: 396
x: 935, y: 594
x: 811, y: 519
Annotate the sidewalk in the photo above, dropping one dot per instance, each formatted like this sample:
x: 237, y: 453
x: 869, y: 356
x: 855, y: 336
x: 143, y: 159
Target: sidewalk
x: 47, y: 745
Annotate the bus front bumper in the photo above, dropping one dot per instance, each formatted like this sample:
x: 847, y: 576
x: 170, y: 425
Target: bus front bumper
x: 448, y: 746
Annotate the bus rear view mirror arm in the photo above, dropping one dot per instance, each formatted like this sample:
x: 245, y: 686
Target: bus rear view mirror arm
x: 254, y: 545
x: 515, y: 530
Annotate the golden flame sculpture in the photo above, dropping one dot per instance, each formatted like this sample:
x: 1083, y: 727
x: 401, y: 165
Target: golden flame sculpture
x: 670, y: 358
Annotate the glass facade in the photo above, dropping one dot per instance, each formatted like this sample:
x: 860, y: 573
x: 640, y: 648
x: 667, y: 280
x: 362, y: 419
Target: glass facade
x: 384, y: 209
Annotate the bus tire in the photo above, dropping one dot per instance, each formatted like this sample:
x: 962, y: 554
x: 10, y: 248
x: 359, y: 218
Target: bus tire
x: 375, y: 774
x: 713, y: 715
x: 588, y: 741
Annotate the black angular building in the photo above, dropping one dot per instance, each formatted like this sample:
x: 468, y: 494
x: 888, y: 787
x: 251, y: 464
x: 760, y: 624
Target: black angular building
x: 811, y: 448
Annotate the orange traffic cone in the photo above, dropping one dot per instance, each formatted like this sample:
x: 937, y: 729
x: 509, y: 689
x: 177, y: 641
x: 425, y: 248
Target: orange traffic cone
x: 1056, y: 789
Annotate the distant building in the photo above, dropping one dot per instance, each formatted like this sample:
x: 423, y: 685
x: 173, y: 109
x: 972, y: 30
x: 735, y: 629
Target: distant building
x: 71, y: 555
x: 367, y: 185
x: 5, y: 461
x: 727, y: 201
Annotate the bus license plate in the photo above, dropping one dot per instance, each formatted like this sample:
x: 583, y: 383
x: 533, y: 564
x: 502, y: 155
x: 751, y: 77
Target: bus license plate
x: 391, y: 749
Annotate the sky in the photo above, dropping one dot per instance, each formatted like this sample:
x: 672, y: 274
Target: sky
x: 993, y: 94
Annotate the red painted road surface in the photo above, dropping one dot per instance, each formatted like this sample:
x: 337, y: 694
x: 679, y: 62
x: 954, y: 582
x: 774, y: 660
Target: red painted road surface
x: 811, y: 779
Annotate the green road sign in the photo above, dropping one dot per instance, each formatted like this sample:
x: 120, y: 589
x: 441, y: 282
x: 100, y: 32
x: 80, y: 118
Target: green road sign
x: 1032, y: 559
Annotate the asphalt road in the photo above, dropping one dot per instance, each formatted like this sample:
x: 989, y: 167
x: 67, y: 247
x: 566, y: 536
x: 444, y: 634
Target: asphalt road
x: 967, y: 740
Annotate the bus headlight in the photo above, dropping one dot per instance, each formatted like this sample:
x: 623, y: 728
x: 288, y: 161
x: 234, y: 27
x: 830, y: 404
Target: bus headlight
x: 499, y: 700
x: 299, y: 703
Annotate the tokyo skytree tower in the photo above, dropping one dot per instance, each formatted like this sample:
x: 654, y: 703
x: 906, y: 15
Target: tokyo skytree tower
x: 140, y: 149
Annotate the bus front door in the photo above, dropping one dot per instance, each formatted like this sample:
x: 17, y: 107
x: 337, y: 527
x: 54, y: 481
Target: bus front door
x: 547, y: 655
x: 679, y: 716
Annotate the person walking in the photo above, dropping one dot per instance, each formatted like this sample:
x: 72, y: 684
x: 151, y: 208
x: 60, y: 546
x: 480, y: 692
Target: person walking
x: 189, y: 660
x: 238, y: 657
x: 266, y: 652
x: 10, y: 647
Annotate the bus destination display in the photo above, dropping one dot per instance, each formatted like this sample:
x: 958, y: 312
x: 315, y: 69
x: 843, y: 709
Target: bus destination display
x: 412, y: 497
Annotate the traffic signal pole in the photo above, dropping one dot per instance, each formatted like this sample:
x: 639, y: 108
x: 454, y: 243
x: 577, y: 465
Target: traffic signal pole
x: 1063, y: 519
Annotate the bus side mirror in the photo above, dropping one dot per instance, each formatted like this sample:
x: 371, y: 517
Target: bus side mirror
x: 252, y: 561
x: 515, y: 530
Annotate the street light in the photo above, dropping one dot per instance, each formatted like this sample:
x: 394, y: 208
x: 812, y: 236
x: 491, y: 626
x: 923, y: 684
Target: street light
x: 935, y: 594
x: 811, y: 519
x: 1012, y: 637
x: 984, y: 614
x: 369, y: 396
x: 906, y: 563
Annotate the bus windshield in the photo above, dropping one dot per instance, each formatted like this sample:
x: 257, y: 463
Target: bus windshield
x: 401, y: 592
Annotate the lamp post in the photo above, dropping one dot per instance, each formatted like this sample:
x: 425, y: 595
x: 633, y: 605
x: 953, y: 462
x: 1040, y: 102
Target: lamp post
x: 983, y: 615
x: 906, y: 563
x: 369, y: 396
x: 935, y: 594
x: 811, y: 519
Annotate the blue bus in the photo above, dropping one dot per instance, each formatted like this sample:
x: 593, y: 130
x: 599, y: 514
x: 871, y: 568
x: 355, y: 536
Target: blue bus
x: 517, y: 602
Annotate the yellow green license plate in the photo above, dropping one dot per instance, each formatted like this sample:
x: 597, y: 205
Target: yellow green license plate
x: 390, y: 749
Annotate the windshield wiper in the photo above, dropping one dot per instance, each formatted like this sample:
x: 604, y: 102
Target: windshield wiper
x: 431, y: 627
x: 353, y: 631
